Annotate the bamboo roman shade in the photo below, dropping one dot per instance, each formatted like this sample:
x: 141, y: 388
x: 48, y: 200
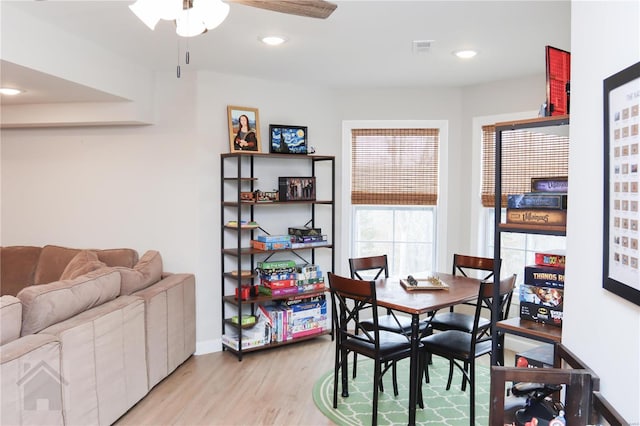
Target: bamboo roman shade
x: 394, y: 166
x: 525, y: 154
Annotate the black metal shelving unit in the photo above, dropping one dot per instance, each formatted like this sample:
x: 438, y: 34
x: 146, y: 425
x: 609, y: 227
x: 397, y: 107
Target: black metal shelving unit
x: 238, y: 171
x: 499, y: 226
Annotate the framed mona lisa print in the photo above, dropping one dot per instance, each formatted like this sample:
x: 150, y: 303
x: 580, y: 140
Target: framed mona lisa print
x: 244, y: 129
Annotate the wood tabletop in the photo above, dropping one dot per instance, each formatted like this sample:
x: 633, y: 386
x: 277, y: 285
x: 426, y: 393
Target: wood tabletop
x: 391, y: 294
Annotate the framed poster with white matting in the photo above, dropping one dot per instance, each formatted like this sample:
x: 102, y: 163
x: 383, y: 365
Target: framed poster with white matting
x: 621, y: 273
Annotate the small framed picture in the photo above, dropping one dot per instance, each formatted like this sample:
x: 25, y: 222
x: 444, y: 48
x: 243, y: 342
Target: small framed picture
x: 288, y: 139
x: 244, y: 129
x: 297, y: 188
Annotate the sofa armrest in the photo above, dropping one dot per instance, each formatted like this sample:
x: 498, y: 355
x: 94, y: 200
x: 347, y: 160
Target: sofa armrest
x: 10, y: 318
x: 170, y: 324
x: 31, y: 381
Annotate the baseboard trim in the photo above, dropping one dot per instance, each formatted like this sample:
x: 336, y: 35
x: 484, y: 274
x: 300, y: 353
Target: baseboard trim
x: 208, y: 346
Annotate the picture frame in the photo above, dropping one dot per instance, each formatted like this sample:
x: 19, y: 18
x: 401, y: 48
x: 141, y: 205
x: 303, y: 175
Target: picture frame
x: 621, y: 181
x: 249, y: 140
x: 286, y: 139
x: 297, y: 188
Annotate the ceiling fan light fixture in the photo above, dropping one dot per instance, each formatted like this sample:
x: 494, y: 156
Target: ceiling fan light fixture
x: 212, y: 12
x: 146, y: 11
x: 192, y: 17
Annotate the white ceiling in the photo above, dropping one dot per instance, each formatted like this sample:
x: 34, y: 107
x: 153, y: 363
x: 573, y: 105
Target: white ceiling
x: 362, y: 44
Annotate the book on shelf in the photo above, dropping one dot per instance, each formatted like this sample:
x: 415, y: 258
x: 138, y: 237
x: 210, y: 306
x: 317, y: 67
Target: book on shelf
x: 537, y: 217
x: 286, y: 291
x: 537, y: 200
x: 276, y: 276
x: 273, y: 238
x: 554, y: 258
x: 550, y: 184
x: 304, y: 231
x: 276, y: 245
x: 309, y: 244
x: 544, y: 276
x: 550, y: 297
x: 277, y: 265
x: 540, y: 313
x: 278, y: 283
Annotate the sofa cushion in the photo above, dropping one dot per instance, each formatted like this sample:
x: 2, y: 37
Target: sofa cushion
x: 118, y: 257
x: 47, y: 304
x: 17, y: 267
x: 82, y: 263
x: 10, y: 318
x: 53, y: 260
x: 146, y: 272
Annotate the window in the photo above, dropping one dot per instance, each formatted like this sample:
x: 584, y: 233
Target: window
x: 394, y: 190
x: 518, y: 250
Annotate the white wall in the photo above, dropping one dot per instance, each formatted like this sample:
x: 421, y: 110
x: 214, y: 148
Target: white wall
x: 600, y: 327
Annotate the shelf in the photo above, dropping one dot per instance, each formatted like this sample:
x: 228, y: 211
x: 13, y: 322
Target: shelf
x: 287, y: 156
x: 245, y: 251
x: 531, y: 329
x: 228, y: 321
x: 554, y: 120
x: 274, y: 345
x: 533, y: 229
x: 273, y: 203
x: 262, y: 299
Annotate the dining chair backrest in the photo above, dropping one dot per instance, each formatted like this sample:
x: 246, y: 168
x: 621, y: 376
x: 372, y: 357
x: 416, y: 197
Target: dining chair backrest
x: 371, y: 267
x: 485, y: 300
x: 351, y: 297
x: 463, y: 264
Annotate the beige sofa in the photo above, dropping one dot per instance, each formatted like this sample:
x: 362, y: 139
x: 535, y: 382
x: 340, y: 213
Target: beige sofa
x: 85, y: 334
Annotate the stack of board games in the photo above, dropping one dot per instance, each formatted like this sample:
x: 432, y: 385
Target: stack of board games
x: 284, y: 278
x: 303, y: 237
x: 542, y: 294
x: 546, y: 204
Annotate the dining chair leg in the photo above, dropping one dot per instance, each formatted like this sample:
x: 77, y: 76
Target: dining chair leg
x: 336, y: 368
x: 355, y: 364
x: 345, y: 375
x: 377, y: 373
x: 464, y: 382
x: 472, y: 395
x: 395, y: 378
x: 450, y: 374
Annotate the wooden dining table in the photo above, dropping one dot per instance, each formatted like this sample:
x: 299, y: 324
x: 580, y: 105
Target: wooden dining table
x: 392, y: 294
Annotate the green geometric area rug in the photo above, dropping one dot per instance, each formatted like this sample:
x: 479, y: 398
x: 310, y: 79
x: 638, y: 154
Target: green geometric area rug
x: 441, y: 407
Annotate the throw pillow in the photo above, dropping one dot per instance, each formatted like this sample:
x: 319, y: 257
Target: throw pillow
x: 146, y: 272
x: 84, y: 262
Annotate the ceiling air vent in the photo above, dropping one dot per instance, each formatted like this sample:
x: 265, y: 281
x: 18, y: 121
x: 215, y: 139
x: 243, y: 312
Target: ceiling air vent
x: 421, y: 46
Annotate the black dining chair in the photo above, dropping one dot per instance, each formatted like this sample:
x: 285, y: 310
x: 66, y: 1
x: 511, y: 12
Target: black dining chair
x: 351, y: 298
x: 374, y: 267
x: 462, y: 348
x: 452, y: 320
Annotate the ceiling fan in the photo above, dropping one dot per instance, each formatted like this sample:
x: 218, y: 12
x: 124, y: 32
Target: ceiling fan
x: 194, y: 17
x: 309, y: 8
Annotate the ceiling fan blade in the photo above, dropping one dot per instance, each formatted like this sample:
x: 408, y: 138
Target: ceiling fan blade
x: 309, y: 8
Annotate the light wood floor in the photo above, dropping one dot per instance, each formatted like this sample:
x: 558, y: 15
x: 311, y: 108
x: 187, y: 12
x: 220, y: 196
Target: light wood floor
x: 271, y: 387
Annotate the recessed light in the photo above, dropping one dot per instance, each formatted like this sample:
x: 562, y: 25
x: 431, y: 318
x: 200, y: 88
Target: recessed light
x: 465, y: 54
x: 9, y: 91
x: 273, y: 40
